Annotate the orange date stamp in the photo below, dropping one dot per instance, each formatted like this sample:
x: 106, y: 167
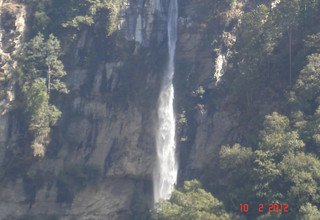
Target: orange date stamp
x: 271, y: 208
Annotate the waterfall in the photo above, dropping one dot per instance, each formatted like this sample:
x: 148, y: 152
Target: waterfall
x: 166, y: 169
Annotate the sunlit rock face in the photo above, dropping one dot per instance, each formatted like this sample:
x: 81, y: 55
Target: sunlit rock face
x: 12, y: 31
x: 108, y: 117
x: 141, y: 20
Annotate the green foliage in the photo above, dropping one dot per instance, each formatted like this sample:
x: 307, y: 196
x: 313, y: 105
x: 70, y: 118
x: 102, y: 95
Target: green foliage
x: 253, y: 24
x: 182, y: 120
x: 235, y: 158
x: 288, y: 13
x: 189, y: 203
x: 259, y: 170
x: 90, y: 8
x: 269, y: 44
x: 309, y: 212
x: 314, y: 129
x: 308, y: 84
x: 40, y: 114
x: 234, y: 163
x: 312, y: 42
x: 40, y: 19
x: 305, y: 99
x: 270, y: 216
x: 299, y: 121
x: 278, y: 171
x: 258, y: 39
x: 275, y: 46
x: 75, y: 178
x: 302, y: 173
x: 277, y: 141
x: 293, y: 13
x: 277, y: 138
x: 266, y: 174
x: 199, y: 92
x: 41, y: 59
x: 41, y: 72
x: 50, y: 16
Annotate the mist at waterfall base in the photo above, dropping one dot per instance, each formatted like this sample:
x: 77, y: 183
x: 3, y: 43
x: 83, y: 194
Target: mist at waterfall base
x: 166, y: 169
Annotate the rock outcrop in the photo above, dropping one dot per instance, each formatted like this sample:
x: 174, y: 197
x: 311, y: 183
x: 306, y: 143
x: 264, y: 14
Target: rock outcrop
x: 108, y: 121
x: 12, y: 30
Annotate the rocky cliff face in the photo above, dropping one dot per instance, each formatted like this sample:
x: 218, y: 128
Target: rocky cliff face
x: 12, y: 29
x: 108, y: 121
x: 109, y: 116
x: 203, y: 45
x: 212, y: 115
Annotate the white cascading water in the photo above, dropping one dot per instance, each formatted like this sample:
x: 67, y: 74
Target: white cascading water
x: 166, y: 170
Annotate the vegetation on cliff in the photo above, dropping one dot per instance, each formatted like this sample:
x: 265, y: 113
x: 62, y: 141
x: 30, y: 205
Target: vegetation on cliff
x: 40, y: 67
x: 275, y: 48
x: 50, y: 16
x: 276, y: 161
x: 189, y: 203
x: 41, y: 71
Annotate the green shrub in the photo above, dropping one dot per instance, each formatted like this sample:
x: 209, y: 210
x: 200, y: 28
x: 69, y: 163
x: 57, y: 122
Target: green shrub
x: 189, y: 203
x: 88, y: 9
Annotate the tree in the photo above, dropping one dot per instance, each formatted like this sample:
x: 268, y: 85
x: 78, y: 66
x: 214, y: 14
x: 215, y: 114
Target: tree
x: 41, y: 71
x: 309, y: 212
x: 287, y: 13
x: 189, y: 203
x: 55, y: 68
x: 250, y: 49
x: 308, y: 83
x: 278, y: 171
x: 277, y: 138
x: 88, y: 9
x: 313, y: 130
x: 40, y: 114
x: 294, y: 14
x: 40, y: 20
x: 312, y: 42
x: 266, y: 174
x: 41, y: 58
x: 302, y: 175
x: 236, y: 163
x: 277, y: 141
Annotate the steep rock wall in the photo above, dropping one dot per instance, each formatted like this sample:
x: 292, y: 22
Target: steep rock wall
x: 12, y: 29
x: 109, y: 116
x: 108, y: 120
x: 209, y: 113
